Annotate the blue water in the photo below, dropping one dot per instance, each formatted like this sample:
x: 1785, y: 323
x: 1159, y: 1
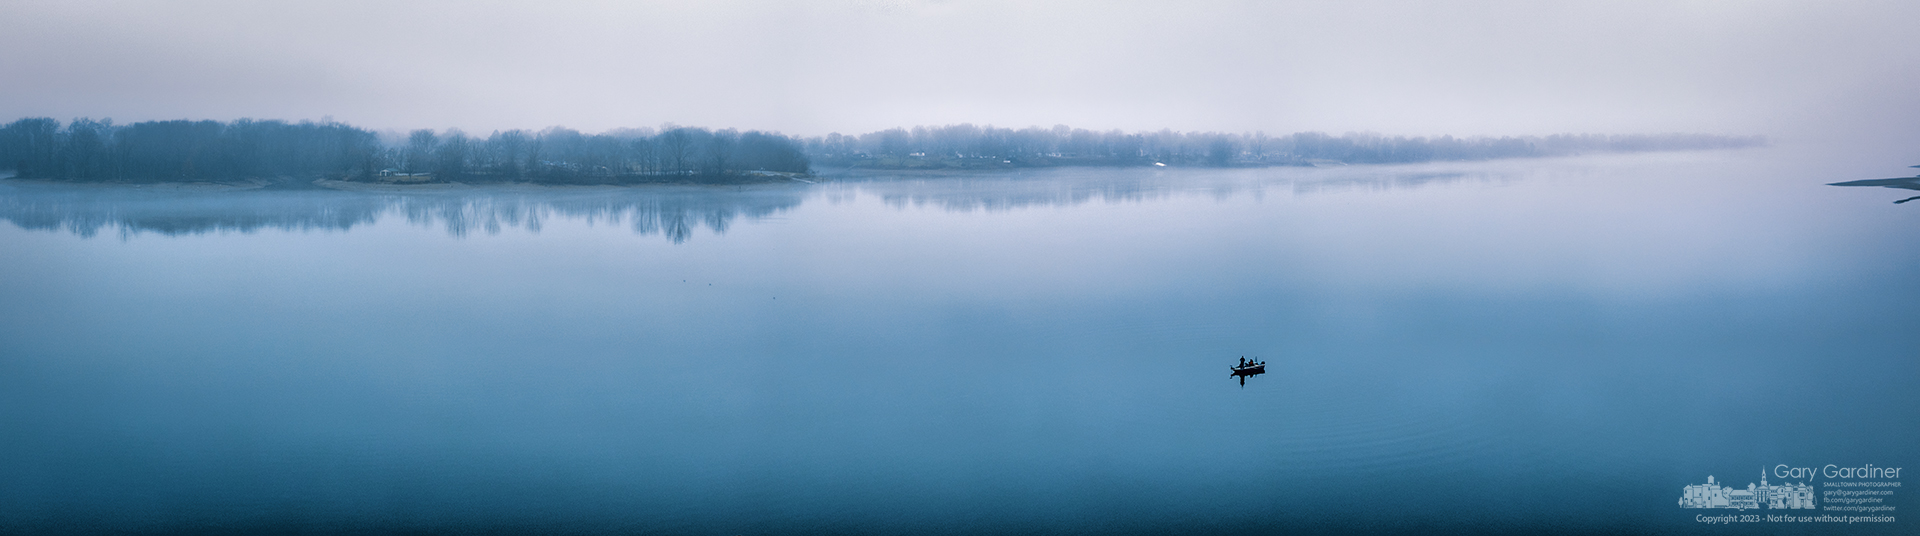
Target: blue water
x: 1505, y: 346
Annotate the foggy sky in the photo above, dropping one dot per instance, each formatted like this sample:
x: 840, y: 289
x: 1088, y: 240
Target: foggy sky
x: 1847, y: 68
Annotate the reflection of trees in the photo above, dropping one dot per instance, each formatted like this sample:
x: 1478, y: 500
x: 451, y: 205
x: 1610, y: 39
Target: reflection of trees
x: 674, y: 212
x: 671, y: 211
x: 85, y: 210
x: 1381, y: 181
x: 964, y: 191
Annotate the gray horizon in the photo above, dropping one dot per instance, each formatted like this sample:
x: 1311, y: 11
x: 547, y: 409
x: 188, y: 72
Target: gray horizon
x: 1785, y: 70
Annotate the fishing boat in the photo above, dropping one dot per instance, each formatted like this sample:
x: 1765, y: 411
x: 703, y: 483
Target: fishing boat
x: 1249, y: 368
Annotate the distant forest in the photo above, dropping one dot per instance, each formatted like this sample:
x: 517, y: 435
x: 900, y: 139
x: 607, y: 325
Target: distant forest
x: 968, y: 146
x: 88, y: 150
x: 182, y: 150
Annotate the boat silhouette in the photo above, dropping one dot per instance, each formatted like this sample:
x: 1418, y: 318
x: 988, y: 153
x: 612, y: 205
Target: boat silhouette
x: 1248, y: 368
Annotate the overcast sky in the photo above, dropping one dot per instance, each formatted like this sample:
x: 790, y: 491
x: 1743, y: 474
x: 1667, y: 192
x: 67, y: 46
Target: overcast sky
x: 812, y: 67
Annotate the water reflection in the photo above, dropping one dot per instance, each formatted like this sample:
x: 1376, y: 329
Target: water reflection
x: 1247, y: 368
x: 1494, y: 342
x: 672, y: 212
x: 173, y: 210
x: 964, y: 192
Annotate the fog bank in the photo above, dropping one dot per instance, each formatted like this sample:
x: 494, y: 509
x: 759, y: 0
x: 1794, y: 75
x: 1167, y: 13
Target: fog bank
x: 1782, y: 69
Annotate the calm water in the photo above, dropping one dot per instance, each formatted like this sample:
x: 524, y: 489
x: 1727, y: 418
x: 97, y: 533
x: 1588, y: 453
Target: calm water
x: 1496, y: 346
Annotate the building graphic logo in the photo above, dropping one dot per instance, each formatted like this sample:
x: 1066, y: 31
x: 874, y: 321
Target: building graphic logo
x: 1712, y: 495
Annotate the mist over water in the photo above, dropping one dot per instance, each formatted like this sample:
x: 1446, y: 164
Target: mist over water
x: 971, y: 323
x: 1503, y: 346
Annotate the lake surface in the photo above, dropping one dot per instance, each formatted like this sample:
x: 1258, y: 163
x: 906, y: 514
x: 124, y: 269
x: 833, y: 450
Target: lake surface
x: 1506, y: 346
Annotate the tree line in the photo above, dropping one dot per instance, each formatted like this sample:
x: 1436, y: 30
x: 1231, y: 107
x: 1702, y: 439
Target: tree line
x: 564, y: 155
x: 967, y: 145
x: 85, y: 149
x: 182, y: 150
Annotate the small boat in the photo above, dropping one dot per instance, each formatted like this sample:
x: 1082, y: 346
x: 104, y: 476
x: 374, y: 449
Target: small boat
x: 1250, y: 368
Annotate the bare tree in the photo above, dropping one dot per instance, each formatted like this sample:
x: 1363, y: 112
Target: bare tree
x: 677, y: 146
x: 420, y: 146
